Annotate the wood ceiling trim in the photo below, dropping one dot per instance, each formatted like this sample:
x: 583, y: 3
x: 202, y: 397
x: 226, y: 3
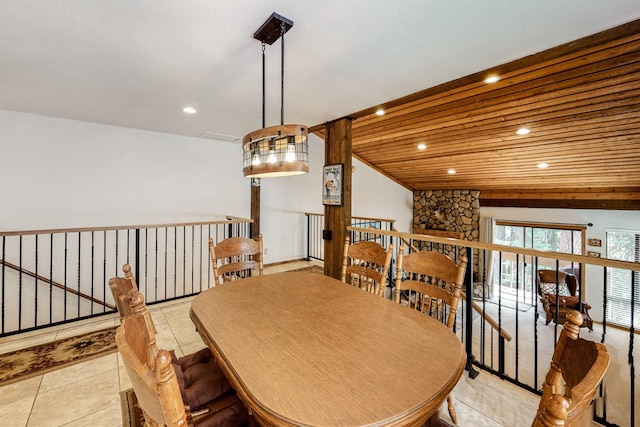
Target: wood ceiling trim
x: 561, y: 203
x: 564, y: 193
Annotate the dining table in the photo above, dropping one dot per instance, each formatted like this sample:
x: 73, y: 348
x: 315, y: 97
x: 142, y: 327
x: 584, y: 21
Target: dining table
x: 305, y: 349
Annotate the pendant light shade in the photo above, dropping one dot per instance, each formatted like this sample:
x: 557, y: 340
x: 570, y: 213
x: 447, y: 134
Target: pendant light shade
x: 277, y: 150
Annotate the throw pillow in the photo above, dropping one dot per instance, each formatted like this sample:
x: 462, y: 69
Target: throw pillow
x: 565, y: 301
x: 550, y: 288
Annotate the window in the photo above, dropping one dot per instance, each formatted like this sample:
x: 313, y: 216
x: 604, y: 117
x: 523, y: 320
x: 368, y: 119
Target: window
x: 564, y: 239
x: 623, y: 286
x: 518, y: 272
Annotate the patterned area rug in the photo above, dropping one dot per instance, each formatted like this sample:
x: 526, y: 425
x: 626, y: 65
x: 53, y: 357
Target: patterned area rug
x: 131, y: 413
x: 37, y: 360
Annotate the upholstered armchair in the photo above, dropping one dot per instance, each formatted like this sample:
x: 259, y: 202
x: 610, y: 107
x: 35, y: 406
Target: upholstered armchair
x: 557, y: 291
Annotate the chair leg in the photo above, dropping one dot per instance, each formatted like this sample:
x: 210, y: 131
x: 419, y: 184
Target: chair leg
x: 452, y: 410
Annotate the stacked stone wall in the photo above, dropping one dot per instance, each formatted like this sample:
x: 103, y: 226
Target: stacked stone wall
x: 450, y: 210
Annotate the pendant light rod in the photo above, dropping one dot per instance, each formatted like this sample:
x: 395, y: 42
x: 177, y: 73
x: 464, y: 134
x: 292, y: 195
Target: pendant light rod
x: 263, y: 89
x: 282, y: 31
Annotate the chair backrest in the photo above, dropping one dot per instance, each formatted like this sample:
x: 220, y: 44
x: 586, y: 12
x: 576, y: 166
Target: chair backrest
x: 128, y: 300
x: 121, y: 288
x: 152, y: 375
x: 366, y: 265
x: 431, y: 282
x: 237, y: 256
x: 567, y: 283
x: 577, y: 367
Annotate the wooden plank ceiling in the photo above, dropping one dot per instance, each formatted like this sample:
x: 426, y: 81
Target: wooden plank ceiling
x: 581, y: 102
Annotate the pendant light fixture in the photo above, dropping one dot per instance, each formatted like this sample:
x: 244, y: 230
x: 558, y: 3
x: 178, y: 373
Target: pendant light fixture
x: 277, y: 150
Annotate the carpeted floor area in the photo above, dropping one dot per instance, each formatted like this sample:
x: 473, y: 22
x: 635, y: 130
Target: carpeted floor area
x: 40, y: 359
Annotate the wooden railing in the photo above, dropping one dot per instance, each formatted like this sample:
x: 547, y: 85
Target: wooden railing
x: 523, y: 354
x: 50, y: 277
x: 315, y: 225
x: 490, y: 320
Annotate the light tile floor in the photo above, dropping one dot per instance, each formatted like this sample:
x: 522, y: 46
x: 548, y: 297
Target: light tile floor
x: 88, y: 394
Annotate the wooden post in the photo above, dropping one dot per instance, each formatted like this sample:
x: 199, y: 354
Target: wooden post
x: 337, y: 150
x: 255, y: 208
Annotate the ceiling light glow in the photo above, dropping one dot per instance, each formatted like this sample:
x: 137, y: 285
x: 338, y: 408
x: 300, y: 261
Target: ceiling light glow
x: 189, y: 110
x: 523, y: 131
x: 380, y: 112
x: 422, y: 146
x: 543, y: 165
x: 492, y: 79
x: 451, y: 171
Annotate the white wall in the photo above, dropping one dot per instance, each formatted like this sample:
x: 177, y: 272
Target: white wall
x: 284, y: 201
x: 376, y: 195
x: 602, y: 221
x: 59, y: 173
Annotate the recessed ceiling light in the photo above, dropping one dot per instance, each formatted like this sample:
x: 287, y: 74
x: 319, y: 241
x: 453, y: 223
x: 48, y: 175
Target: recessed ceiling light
x: 451, y: 171
x: 380, y: 112
x: 422, y: 146
x: 189, y: 110
x: 492, y: 79
x: 543, y: 165
x: 523, y: 131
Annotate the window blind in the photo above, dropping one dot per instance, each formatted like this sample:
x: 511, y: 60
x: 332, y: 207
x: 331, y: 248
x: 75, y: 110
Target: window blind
x: 623, y: 286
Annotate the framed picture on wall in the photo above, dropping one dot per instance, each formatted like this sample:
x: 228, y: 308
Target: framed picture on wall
x: 332, y: 185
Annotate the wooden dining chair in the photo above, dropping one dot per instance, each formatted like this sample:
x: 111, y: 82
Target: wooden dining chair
x: 431, y: 283
x: 577, y: 368
x: 235, y: 257
x: 195, y: 371
x: 159, y: 388
x: 121, y: 288
x: 365, y: 265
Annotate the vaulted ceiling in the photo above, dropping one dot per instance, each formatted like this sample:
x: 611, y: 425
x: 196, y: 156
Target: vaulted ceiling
x: 580, y: 101
x: 137, y: 64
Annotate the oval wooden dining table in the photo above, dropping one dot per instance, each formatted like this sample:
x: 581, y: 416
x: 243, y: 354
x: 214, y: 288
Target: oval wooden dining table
x: 304, y: 349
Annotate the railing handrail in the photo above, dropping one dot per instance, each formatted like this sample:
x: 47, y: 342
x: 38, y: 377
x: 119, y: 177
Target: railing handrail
x: 356, y: 217
x: 490, y: 320
x: 231, y: 220
x: 603, y: 262
x: 169, y: 261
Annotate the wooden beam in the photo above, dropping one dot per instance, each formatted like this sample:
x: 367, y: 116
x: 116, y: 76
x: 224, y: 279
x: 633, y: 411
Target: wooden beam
x: 595, y: 193
x: 337, y: 150
x: 562, y: 203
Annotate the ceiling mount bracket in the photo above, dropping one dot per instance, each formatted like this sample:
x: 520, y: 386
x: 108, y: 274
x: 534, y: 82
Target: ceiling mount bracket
x: 271, y: 30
